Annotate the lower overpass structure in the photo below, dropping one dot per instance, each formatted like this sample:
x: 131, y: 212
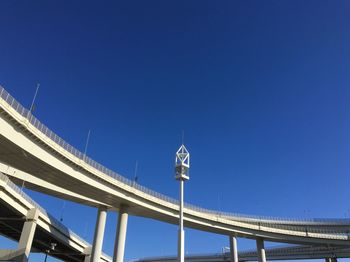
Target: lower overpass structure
x: 31, y: 152
x: 25, y: 221
x: 279, y: 253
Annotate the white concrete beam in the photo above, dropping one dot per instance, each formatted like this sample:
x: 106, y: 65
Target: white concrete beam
x: 33, y: 181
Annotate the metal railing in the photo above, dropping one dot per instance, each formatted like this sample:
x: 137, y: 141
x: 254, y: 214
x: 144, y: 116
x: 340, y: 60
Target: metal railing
x: 301, y: 225
x: 288, y: 250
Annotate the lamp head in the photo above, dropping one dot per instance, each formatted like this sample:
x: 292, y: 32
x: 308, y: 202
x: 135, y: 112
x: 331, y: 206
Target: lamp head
x: 182, y: 163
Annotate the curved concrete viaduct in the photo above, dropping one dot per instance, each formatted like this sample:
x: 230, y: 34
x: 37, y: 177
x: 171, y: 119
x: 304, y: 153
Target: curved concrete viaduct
x: 30, y: 151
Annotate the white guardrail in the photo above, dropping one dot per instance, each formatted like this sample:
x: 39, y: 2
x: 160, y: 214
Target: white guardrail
x: 302, y: 225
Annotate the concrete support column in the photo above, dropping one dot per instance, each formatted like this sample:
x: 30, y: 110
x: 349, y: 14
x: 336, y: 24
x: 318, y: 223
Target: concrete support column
x: 99, y: 232
x: 233, y: 249
x: 87, y: 253
x: 331, y: 259
x: 119, y: 244
x: 27, y: 235
x: 87, y: 258
x: 261, y: 250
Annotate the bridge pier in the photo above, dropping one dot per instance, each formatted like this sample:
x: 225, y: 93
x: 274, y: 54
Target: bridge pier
x: 119, y: 244
x: 27, y: 235
x: 261, y: 250
x: 87, y: 253
x: 233, y: 249
x: 99, y: 233
x: 87, y: 258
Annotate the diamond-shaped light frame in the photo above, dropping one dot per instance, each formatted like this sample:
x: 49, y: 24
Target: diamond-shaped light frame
x: 182, y: 157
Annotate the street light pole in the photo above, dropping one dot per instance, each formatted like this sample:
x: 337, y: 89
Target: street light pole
x: 182, y: 164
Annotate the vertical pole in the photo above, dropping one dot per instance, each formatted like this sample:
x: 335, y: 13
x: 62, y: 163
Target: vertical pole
x: 99, y: 232
x: 328, y: 259
x: 181, y: 237
x: 233, y: 249
x: 119, y: 244
x: 261, y: 250
x: 182, y: 164
x: 87, y: 144
x: 27, y: 235
x: 33, y: 101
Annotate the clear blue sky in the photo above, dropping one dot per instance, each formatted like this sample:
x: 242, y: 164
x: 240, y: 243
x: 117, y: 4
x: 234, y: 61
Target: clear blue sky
x: 261, y: 89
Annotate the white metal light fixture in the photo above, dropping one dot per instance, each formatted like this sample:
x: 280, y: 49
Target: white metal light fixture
x: 182, y: 164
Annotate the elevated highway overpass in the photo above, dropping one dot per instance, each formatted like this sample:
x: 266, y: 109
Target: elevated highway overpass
x: 31, y: 152
x: 25, y: 221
